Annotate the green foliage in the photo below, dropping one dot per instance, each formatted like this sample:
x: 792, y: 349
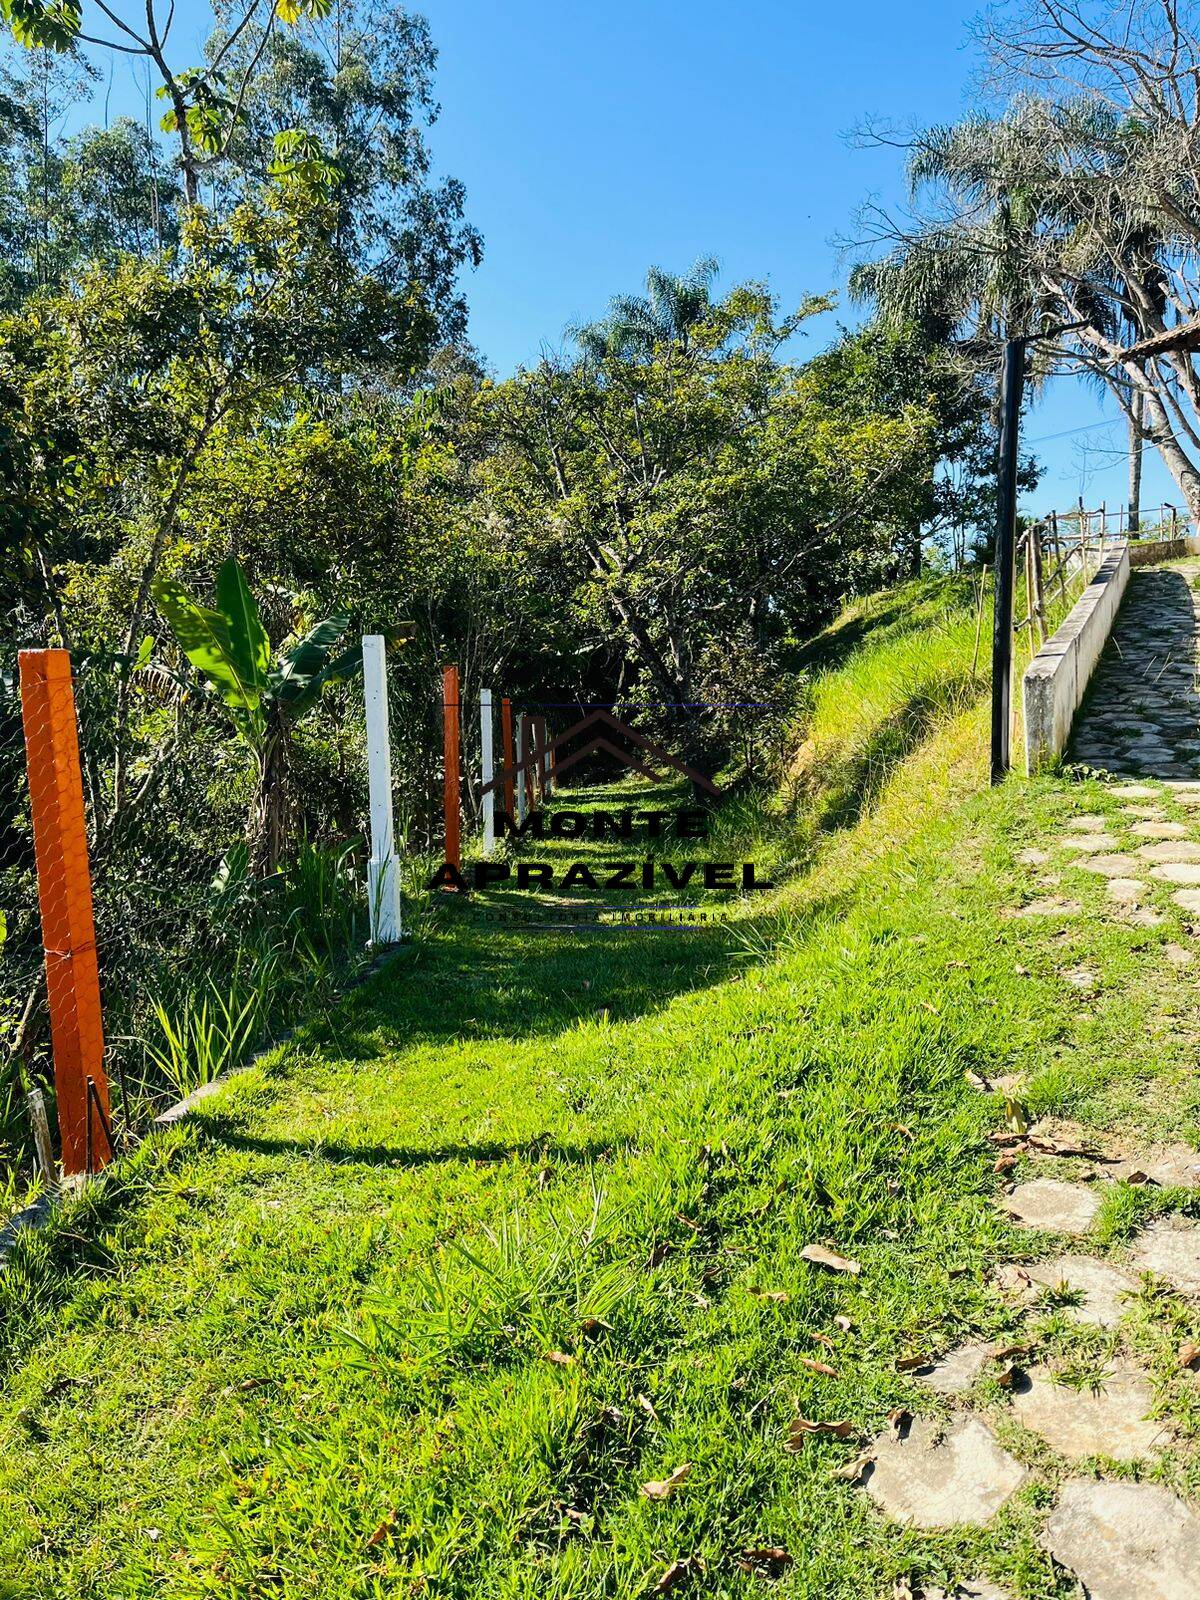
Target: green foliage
x: 50, y: 24
x: 229, y: 646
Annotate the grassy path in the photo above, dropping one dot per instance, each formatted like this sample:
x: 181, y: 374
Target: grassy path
x: 418, y: 1306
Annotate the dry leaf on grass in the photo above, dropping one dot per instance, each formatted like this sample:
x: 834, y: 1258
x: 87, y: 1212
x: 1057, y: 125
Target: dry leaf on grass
x: 647, y: 1406
x: 843, y: 1323
x: 770, y: 1560
x: 1015, y: 1116
x: 852, y: 1471
x: 819, y: 1256
x: 676, y: 1572
x: 911, y: 1363
x: 660, y: 1488
x: 802, y: 1428
x: 558, y: 1358
x: 382, y: 1532
x: 822, y: 1367
x: 1011, y: 1277
x: 1188, y: 1354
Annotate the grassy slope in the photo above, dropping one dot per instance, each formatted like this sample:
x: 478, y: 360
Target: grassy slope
x: 299, y: 1349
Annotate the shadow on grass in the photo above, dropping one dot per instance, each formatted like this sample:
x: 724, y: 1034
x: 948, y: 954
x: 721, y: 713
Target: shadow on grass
x: 476, y: 983
x: 909, y: 604
x: 225, y: 1132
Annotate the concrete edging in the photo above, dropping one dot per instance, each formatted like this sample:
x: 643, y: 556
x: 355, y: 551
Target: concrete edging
x: 1145, y: 552
x: 1056, y: 678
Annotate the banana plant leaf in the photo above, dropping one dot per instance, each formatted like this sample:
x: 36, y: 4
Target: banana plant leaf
x: 248, y: 642
x: 341, y: 668
x: 204, y: 638
x: 305, y: 660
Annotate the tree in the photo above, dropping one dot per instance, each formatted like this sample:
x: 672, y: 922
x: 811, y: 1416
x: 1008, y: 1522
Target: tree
x: 358, y: 79
x: 204, y: 104
x: 671, y: 310
x: 151, y: 364
x: 229, y: 647
x: 684, y: 497
x: 1080, y: 211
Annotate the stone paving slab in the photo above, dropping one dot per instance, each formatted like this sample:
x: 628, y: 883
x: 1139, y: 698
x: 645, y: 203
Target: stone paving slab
x: 1110, y: 1420
x: 1169, y: 850
x: 1108, y: 866
x: 1102, y: 1286
x: 1171, y: 1248
x: 1126, y: 1541
x: 1183, y: 872
x: 941, y: 1474
x: 1049, y: 906
x: 1174, y: 1166
x: 958, y: 1370
x: 1127, y: 891
x: 1053, y: 1205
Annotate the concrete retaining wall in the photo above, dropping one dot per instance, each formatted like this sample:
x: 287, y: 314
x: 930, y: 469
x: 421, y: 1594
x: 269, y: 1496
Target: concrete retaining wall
x: 1145, y: 552
x: 1057, y: 676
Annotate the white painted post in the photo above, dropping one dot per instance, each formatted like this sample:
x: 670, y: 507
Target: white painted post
x: 522, y: 725
x: 383, y: 880
x: 489, y: 770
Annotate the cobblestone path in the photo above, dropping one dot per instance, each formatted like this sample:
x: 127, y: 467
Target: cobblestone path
x: 1142, y: 713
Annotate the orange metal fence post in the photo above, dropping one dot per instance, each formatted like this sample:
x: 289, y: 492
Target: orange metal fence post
x: 65, y: 900
x: 451, y: 745
x: 506, y: 728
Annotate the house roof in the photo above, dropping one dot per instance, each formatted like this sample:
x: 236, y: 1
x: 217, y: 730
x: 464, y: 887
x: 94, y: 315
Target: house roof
x: 1186, y: 336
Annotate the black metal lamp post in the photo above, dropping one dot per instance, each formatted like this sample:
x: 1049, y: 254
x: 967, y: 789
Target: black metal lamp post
x: 1012, y: 385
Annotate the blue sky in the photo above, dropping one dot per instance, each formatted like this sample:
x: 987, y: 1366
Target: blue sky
x: 597, y: 139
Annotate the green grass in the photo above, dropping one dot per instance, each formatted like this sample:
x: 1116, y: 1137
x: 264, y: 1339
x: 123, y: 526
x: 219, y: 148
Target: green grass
x: 882, y: 677
x: 303, y: 1346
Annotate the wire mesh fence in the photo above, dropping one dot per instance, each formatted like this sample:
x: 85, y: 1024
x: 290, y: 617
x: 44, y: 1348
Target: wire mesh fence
x: 199, y: 952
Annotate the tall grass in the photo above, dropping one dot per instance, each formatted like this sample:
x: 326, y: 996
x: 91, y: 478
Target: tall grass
x: 891, y: 669
x: 294, y: 935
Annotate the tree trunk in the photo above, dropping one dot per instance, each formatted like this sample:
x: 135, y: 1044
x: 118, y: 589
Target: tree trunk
x: 1136, y: 445
x: 1178, y: 464
x: 270, y: 826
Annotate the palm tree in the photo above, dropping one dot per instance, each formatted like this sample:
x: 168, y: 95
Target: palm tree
x: 1051, y: 215
x: 669, y: 312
